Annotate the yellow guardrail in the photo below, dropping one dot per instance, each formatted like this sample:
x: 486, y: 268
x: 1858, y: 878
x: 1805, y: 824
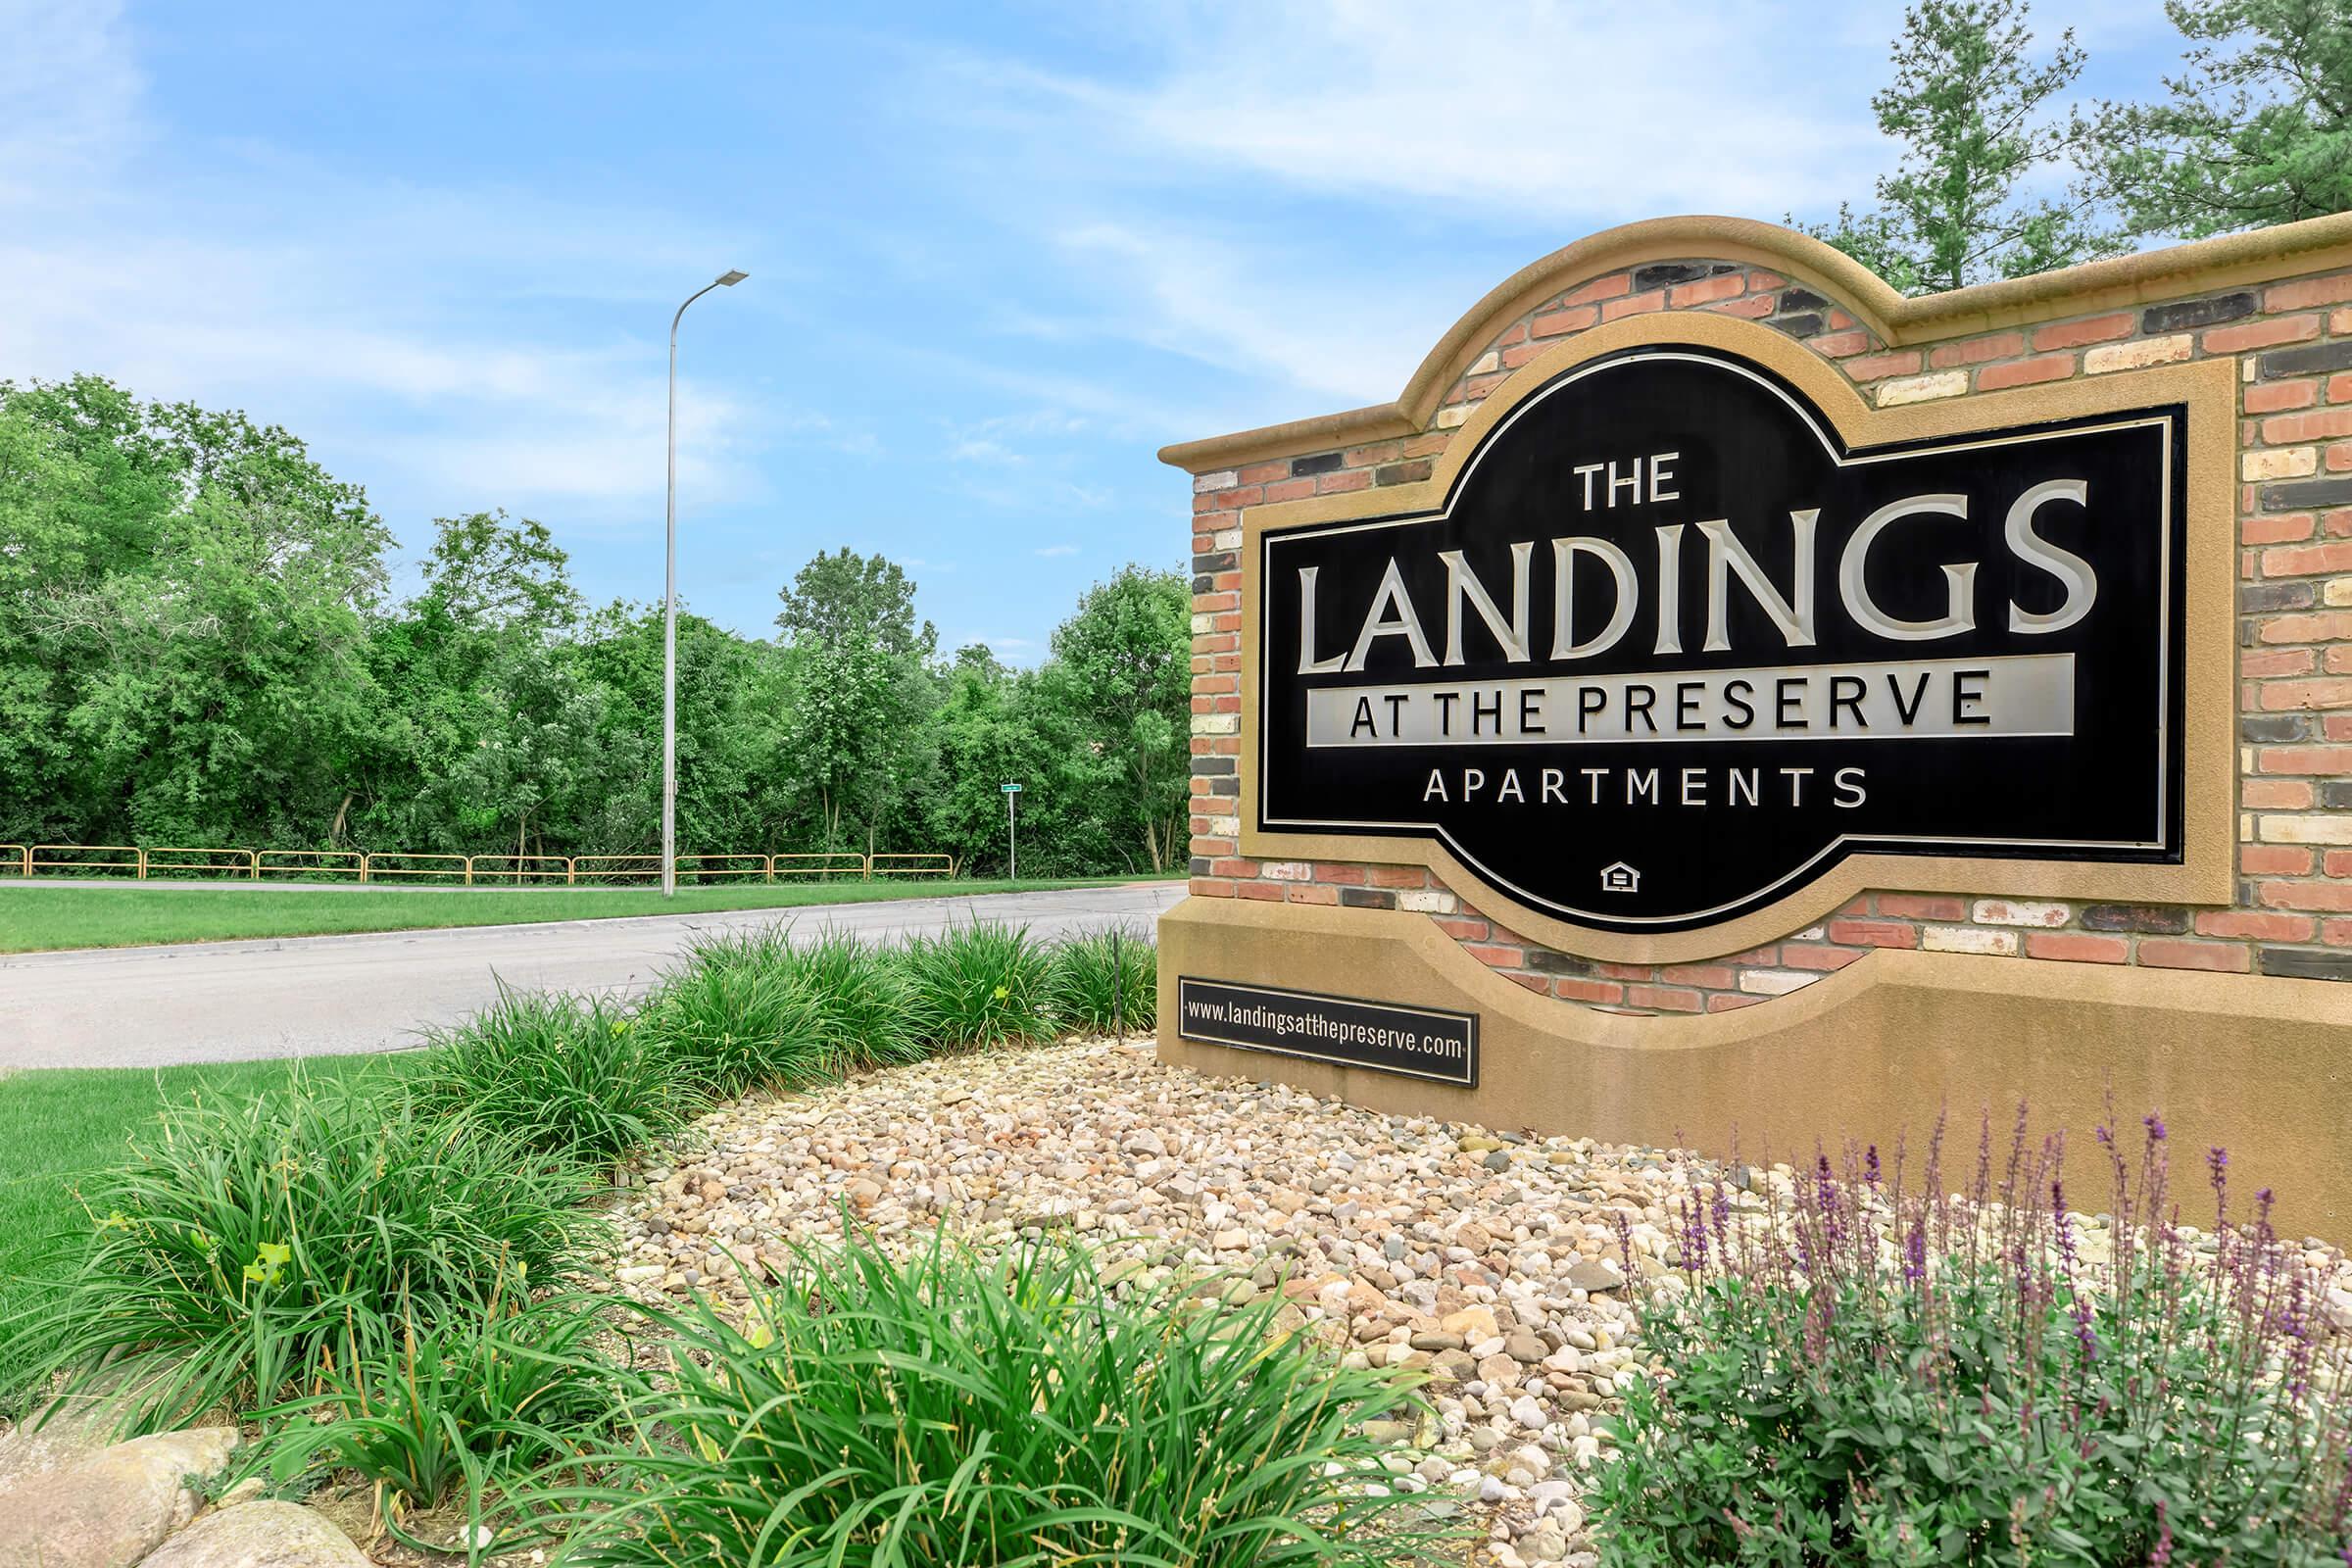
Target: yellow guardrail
x: 136, y: 864
x: 322, y: 863
x: 614, y: 867
x: 521, y: 869
x: 943, y: 865
x: 819, y: 864
x: 26, y: 861
x: 241, y: 863
x: 375, y: 868
x: 763, y: 866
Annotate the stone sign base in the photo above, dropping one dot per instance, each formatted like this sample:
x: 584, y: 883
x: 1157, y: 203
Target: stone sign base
x: 2257, y: 1064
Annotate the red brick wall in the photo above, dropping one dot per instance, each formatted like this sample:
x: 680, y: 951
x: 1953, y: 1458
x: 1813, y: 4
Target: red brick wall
x: 2293, y: 915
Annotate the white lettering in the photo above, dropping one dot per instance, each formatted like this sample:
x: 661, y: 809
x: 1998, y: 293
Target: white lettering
x: 1728, y: 556
x: 1670, y: 589
x: 1564, y: 552
x: 1379, y: 623
x: 1462, y: 584
x: 2082, y: 583
x: 1308, y: 664
x: 1958, y: 615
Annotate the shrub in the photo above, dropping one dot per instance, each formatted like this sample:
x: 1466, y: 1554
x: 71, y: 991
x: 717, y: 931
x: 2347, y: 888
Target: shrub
x: 951, y: 1410
x: 983, y: 984
x: 1873, y: 1376
x: 461, y: 1408
x: 569, y: 1076
x: 737, y: 1016
x: 858, y: 994
x: 1107, y: 981
x: 242, y: 1244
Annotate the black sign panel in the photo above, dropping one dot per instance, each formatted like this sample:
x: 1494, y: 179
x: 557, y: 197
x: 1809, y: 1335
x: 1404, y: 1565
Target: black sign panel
x: 1670, y: 650
x: 1416, y: 1042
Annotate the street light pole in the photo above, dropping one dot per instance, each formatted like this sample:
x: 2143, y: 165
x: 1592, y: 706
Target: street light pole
x: 669, y: 611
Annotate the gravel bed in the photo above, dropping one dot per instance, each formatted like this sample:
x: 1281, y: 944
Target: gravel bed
x: 1491, y: 1258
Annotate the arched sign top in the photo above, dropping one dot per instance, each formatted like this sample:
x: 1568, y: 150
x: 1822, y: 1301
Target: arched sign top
x: 1894, y: 319
x: 1669, y: 648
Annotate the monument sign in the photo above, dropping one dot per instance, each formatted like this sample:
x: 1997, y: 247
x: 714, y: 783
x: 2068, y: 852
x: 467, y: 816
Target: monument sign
x: 1722, y: 696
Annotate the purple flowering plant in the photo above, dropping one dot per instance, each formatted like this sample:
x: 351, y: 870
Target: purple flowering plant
x: 1869, y: 1368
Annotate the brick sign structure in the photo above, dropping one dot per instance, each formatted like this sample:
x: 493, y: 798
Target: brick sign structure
x: 1757, y: 704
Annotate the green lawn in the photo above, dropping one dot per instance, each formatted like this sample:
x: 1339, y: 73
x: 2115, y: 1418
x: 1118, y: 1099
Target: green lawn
x: 35, y: 919
x: 57, y: 1125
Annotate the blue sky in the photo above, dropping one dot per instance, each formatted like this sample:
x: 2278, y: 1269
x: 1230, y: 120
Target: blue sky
x: 999, y: 254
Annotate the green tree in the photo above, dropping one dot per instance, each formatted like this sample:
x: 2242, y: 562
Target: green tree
x: 856, y: 665
x: 1976, y: 119
x: 2257, y: 130
x: 492, y: 730
x: 1125, y: 662
x: 183, y: 604
x: 843, y: 597
x: 733, y: 793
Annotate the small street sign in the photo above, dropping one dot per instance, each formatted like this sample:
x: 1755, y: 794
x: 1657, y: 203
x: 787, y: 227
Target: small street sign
x: 1012, y: 851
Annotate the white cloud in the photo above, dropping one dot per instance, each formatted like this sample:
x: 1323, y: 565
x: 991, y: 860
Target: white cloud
x: 69, y: 92
x: 1238, y: 305
x: 1541, y: 110
x: 1056, y: 549
x: 378, y: 318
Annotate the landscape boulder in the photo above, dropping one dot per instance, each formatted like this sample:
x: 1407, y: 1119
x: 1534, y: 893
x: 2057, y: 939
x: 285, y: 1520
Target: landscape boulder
x: 260, y: 1535
x: 111, y: 1508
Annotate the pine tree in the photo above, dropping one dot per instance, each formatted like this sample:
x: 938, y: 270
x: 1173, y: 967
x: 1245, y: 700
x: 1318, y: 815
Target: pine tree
x: 2257, y: 130
x: 1975, y: 116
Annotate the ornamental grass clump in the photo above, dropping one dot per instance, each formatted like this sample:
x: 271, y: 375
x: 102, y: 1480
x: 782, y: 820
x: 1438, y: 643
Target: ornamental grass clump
x: 860, y: 995
x: 1107, y: 981
x: 1870, y: 1372
x: 737, y: 1015
x: 983, y: 984
x: 456, y: 1411
x: 243, y: 1247
x: 571, y: 1077
x: 987, y: 1413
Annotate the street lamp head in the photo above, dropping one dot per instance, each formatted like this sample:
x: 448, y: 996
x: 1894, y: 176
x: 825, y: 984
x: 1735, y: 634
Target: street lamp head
x: 731, y: 277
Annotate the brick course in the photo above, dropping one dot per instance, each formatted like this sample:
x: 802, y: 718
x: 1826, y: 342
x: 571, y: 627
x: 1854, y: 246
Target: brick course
x: 2295, y: 562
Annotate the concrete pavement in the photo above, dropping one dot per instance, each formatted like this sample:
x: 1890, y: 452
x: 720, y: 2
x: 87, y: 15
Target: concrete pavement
x: 305, y: 995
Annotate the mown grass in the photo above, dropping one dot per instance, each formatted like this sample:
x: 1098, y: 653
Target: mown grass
x: 48, y: 916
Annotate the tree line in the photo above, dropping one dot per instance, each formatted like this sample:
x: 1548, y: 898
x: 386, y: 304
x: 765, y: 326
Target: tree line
x: 197, y: 645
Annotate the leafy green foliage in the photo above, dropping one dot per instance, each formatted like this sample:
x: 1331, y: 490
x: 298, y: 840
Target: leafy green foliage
x: 244, y: 1243
x: 2256, y: 131
x: 953, y: 1410
x: 1123, y: 668
x: 983, y: 984
x: 568, y: 1076
x: 1975, y: 119
x: 185, y: 602
x: 461, y: 1408
x: 1108, y: 980
x: 1894, y: 1379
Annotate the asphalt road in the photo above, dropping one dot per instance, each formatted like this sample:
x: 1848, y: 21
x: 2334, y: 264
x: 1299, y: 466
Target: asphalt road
x: 305, y: 995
